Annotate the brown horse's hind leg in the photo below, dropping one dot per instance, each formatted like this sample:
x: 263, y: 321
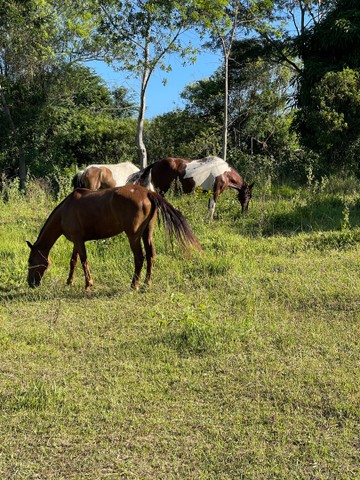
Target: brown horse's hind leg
x: 138, y: 261
x: 88, y: 278
x: 149, y: 249
x: 80, y: 248
x: 73, y: 262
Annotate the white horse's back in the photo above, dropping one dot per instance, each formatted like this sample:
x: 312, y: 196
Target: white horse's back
x: 120, y: 171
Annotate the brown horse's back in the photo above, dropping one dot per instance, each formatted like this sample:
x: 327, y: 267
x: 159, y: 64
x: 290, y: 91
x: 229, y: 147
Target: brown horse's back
x: 93, y: 215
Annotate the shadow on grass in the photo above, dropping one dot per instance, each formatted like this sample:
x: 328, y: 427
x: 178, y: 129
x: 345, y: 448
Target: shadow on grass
x: 59, y: 291
x: 325, y: 215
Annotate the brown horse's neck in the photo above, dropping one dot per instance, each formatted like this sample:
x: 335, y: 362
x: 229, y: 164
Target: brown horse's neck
x: 50, y: 232
x: 235, y: 179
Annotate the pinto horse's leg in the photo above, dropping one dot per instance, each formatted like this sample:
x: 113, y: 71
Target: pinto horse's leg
x: 73, y: 262
x: 219, y: 187
x: 212, y: 205
x: 135, y: 244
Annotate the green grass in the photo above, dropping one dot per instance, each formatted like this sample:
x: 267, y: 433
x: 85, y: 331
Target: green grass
x: 241, y: 362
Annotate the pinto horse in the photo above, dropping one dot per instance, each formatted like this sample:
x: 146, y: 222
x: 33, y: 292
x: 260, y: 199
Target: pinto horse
x: 209, y: 173
x: 99, y: 176
x: 91, y: 215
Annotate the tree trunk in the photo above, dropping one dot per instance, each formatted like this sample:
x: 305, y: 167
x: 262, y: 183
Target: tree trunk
x: 141, y: 118
x: 140, y: 130
x: 226, y: 107
x: 227, y: 46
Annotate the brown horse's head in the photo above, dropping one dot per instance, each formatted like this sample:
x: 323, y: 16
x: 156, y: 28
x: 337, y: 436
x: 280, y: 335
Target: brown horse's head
x: 244, y: 196
x: 38, y: 264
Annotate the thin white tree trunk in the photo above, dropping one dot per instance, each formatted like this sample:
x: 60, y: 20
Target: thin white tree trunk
x: 226, y: 108
x: 140, y: 127
x: 227, y: 46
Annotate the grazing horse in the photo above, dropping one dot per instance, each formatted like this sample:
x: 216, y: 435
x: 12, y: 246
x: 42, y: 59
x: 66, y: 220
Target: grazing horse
x: 91, y: 215
x: 209, y: 173
x: 100, y: 176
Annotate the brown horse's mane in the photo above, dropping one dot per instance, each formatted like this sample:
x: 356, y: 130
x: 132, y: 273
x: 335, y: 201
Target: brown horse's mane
x: 48, y: 220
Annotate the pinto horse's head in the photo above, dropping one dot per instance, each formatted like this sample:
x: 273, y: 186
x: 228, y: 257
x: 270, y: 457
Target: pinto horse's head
x: 38, y: 264
x: 244, y: 196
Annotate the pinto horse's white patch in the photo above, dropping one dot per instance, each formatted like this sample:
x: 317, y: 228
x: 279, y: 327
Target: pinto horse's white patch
x: 204, y: 171
x: 120, y: 171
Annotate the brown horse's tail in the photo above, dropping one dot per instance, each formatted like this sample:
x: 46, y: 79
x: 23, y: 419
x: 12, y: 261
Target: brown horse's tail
x: 174, y: 221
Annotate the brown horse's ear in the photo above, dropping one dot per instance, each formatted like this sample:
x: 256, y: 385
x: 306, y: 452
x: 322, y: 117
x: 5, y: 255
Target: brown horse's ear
x: 251, y: 185
x: 30, y: 245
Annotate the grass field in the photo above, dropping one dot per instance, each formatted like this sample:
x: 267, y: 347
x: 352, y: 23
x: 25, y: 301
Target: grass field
x: 241, y: 361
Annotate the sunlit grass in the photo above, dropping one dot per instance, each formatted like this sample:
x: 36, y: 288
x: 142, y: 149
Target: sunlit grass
x: 241, y: 361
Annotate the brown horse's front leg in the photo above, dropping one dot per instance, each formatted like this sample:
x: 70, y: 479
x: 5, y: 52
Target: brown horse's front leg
x: 73, y: 262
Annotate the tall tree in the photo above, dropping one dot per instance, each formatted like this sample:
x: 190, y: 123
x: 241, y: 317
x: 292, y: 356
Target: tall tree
x: 140, y: 35
x: 239, y: 15
x: 23, y: 52
x: 34, y: 35
x: 329, y: 90
x: 259, y: 114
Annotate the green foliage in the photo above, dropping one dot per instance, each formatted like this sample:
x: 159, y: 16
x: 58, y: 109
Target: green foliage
x: 260, y: 127
x: 329, y: 89
x: 181, y: 134
x: 333, y: 118
x: 70, y: 120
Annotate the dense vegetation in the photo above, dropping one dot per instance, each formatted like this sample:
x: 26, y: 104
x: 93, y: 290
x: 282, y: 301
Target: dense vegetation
x: 293, y: 87
x: 239, y: 362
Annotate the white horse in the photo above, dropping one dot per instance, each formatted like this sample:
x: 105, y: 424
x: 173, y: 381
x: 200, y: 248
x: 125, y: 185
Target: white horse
x: 99, y: 176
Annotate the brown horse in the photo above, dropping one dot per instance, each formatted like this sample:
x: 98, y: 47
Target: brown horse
x: 100, y: 176
x: 210, y: 173
x: 86, y: 215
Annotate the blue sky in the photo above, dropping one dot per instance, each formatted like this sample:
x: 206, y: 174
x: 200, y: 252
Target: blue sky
x: 161, y: 99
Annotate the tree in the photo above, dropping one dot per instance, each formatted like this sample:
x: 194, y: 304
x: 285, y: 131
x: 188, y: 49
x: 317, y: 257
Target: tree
x: 69, y: 120
x: 124, y: 106
x: 182, y: 133
x: 139, y: 36
x: 331, y: 64
x: 23, y: 52
x: 34, y: 36
x: 238, y: 14
x: 259, y: 118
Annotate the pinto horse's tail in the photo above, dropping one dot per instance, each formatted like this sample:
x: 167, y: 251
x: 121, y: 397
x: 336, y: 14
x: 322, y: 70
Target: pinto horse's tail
x: 143, y: 177
x: 76, y: 181
x: 174, y: 221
